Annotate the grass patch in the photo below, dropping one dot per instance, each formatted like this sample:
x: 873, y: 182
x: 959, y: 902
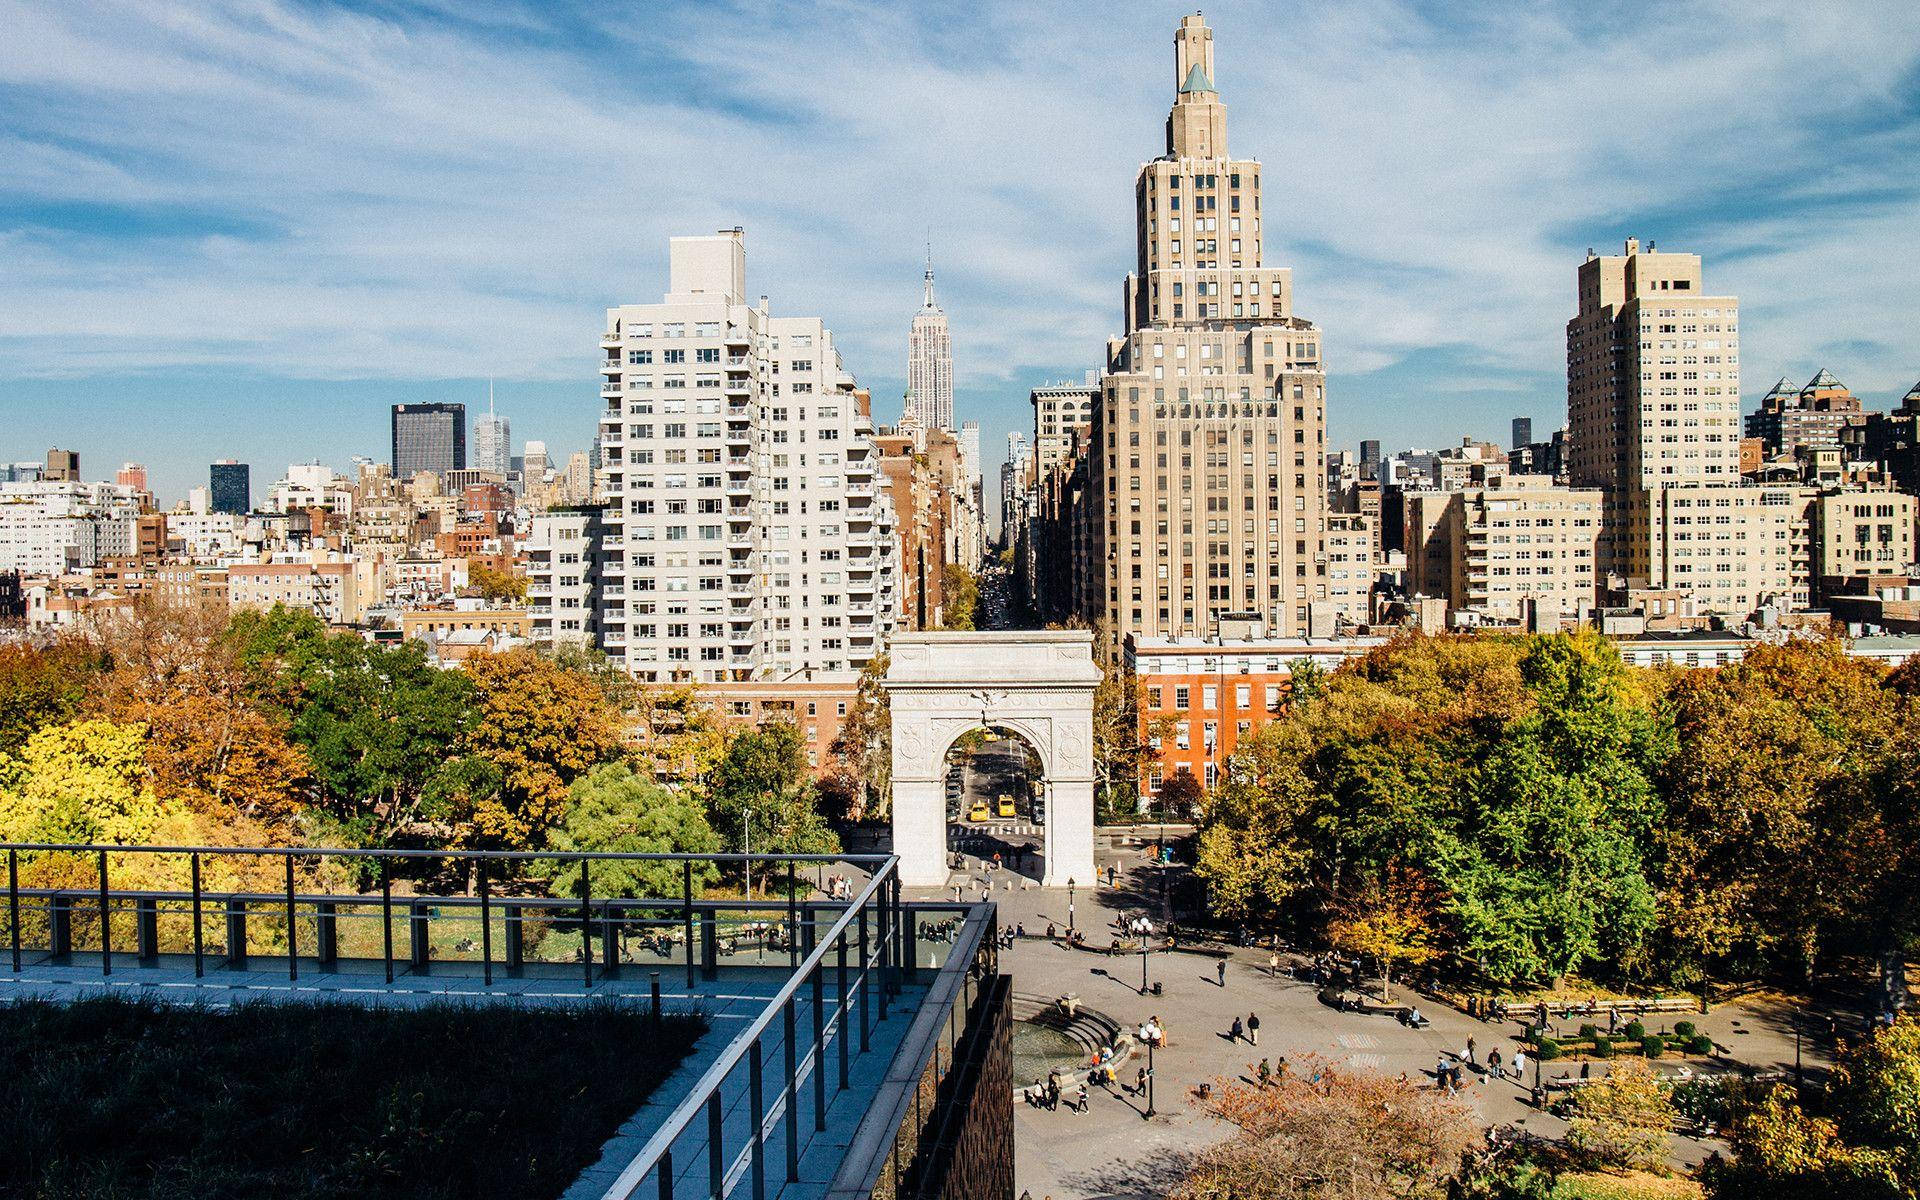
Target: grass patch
x: 112, y: 1098
x: 1594, y: 1185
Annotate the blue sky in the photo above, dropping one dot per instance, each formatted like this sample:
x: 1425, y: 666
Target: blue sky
x: 245, y: 229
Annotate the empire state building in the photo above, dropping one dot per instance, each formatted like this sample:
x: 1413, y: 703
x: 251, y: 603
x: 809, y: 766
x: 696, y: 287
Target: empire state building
x: 930, y: 364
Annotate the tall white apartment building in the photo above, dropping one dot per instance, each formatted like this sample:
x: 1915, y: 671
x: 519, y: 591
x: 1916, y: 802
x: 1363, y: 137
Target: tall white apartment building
x: 48, y: 527
x: 562, y: 550
x: 744, y: 535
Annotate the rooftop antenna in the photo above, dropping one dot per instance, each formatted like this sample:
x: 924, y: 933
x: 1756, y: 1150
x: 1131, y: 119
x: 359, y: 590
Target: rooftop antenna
x: 489, y: 396
x: 929, y: 274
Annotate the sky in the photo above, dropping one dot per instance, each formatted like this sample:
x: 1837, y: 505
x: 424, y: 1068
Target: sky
x: 246, y: 229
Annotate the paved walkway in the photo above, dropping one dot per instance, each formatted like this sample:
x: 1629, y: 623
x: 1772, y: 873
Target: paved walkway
x: 1113, y: 1151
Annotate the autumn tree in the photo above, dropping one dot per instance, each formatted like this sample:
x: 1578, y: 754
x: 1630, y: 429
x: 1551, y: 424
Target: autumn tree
x: 496, y: 585
x: 1623, y: 1119
x: 540, y: 726
x: 1119, y: 747
x: 862, y: 751
x: 959, y: 597
x: 1389, y: 917
x: 42, y: 686
x: 613, y: 809
x: 84, y: 781
x: 1252, y: 856
x: 676, y: 730
x: 1179, y: 796
x: 1325, y: 1132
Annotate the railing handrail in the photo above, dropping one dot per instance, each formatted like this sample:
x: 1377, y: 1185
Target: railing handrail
x: 483, y: 855
x: 715, y: 1076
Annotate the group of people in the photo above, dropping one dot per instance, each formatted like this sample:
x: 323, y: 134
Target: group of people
x: 1248, y: 1029
x: 839, y: 887
x: 1048, y: 1095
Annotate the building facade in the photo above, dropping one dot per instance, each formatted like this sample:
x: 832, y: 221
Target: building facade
x: 930, y: 362
x: 230, y: 488
x: 1505, y: 546
x: 745, y: 537
x: 562, y: 552
x: 428, y: 437
x: 493, y: 442
x: 1206, y: 459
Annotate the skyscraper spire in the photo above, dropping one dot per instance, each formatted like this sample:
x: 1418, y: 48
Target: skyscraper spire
x: 929, y: 304
x: 930, y: 359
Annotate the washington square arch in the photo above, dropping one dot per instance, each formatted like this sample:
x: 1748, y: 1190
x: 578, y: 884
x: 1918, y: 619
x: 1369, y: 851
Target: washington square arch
x: 1036, y: 684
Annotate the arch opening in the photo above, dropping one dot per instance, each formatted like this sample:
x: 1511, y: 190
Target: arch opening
x: 993, y: 778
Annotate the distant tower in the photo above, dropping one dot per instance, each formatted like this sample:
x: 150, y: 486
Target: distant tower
x: 230, y: 488
x: 429, y: 437
x: 1522, y: 433
x: 930, y: 361
x: 492, y: 440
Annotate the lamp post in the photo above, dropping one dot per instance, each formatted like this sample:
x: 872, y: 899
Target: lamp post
x: 1149, y: 1113
x: 1143, y: 963
x: 1069, y: 908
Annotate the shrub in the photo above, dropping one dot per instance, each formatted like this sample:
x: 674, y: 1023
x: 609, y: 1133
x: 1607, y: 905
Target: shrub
x: 1699, y: 1043
x: 1653, y: 1046
x: 1684, y: 1030
x: 1603, y: 1047
x: 1589, y: 1031
x: 1547, y: 1049
x: 1635, y: 1031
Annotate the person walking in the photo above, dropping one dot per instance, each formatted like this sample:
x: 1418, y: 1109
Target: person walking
x: 1280, y: 1071
x: 1493, y: 1063
x: 1265, y: 1071
x: 1273, y: 966
x: 1520, y: 1067
x: 1080, y: 1100
x: 1111, y: 874
x: 1220, y: 970
x: 1236, y: 1031
x: 1471, y: 1052
x: 1253, y: 1028
x: 1440, y: 1071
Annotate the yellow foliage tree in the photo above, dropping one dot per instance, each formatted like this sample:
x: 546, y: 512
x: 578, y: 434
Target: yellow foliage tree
x: 540, y: 726
x: 1390, y: 918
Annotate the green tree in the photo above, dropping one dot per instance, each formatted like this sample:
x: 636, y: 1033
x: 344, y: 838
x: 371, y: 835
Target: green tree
x: 1546, y: 868
x: 762, y: 791
x: 959, y: 597
x: 1252, y: 857
x: 612, y: 809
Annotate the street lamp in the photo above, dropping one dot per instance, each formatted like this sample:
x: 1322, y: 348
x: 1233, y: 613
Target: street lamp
x: 1069, y: 908
x: 1144, y: 948
x: 1149, y: 1112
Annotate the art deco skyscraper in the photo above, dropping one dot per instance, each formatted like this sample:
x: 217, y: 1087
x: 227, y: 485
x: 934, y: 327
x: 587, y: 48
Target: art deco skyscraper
x: 1209, y: 442
x: 930, y: 363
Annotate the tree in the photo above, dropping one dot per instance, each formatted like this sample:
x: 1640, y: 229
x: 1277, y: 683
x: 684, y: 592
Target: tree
x: 1179, y: 796
x: 1545, y: 869
x: 679, y: 733
x: 1323, y: 1132
x: 1118, y: 747
x: 762, y: 791
x: 1622, y: 1119
x: 1869, y: 1149
x: 959, y: 597
x: 541, y: 727
x: 863, y: 749
x: 41, y: 687
x: 613, y: 809
x: 1390, y: 917
x: 84, y: 781
x: 1251, y: 855
x: 496, y: 585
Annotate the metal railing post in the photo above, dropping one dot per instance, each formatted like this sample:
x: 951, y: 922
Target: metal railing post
x: 146, y: 922
x: 664, y: 1173
x: 293, y: 948
x: 486, y: 928
x: 840, y: 1005
x: 865, y: 983
x: 793, y: 921
x: 819, y: 1049
x: 716, y: 1157
x: 757, y: 1111
x: 686, y: 912
x: 106, y: 921
x: 792, y: 1094
x: 386, y: 918
x: 199, y: 934
x: 13, y: 902
x: 586, y: 925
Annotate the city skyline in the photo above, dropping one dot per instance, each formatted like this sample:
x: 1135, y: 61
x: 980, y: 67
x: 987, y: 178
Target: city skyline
x: 247, y: 303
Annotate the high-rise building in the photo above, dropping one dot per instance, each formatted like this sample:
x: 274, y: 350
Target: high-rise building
x: 745, y: 538
x: 132, y: 475
x: 1818, y: 414
x: 1522, y: 433
x: 493, y: 441
x: 230, y: 487
x: 1207, y: 469
x: 1653, y: 396
x: 63, y: 466
x: 1892, y: 438
x: 429, y: 437
x: 930, y: 362
x: 1058, y: 410
x: 1370, y: 459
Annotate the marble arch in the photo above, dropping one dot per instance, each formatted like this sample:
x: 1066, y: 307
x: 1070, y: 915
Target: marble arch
x: 1036, y: 683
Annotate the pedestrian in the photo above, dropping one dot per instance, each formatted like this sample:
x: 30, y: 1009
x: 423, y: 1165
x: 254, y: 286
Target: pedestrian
x: 1519, y: 1066
x: 1140, y: 1082
x: 1220, y: 969
x: 1020, y: 929
x: 1493, y: 1062
x: 1265, y: 1072
x: 1236, y: 1030
x: 1253, y: 1028
x: 1280, y: 1071
x: 1440, y: 1070
x: 1586, y: 1071
x: 1471, y: 1051
x: 1111, y: 874
x: 1049, y: 930
x: 1273, y: 966
x: 1080, y: 1098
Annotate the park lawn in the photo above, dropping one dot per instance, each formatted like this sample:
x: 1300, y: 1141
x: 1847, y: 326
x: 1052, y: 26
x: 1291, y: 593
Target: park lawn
x: 111, y: 1098
x: 1637, y: 1185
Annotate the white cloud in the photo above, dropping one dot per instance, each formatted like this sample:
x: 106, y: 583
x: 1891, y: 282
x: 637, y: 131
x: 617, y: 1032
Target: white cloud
x: 451, y: 198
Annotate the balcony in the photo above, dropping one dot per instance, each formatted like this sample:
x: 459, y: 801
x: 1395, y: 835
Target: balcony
x: 611, y: 389
x: 610, y: 367
x: 741, y: 589
x: 610, y: 341
x: 736, y: 360
x: 739, y: 487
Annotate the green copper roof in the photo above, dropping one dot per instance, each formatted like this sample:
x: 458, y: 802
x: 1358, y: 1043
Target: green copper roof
x: 1197, y: 81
